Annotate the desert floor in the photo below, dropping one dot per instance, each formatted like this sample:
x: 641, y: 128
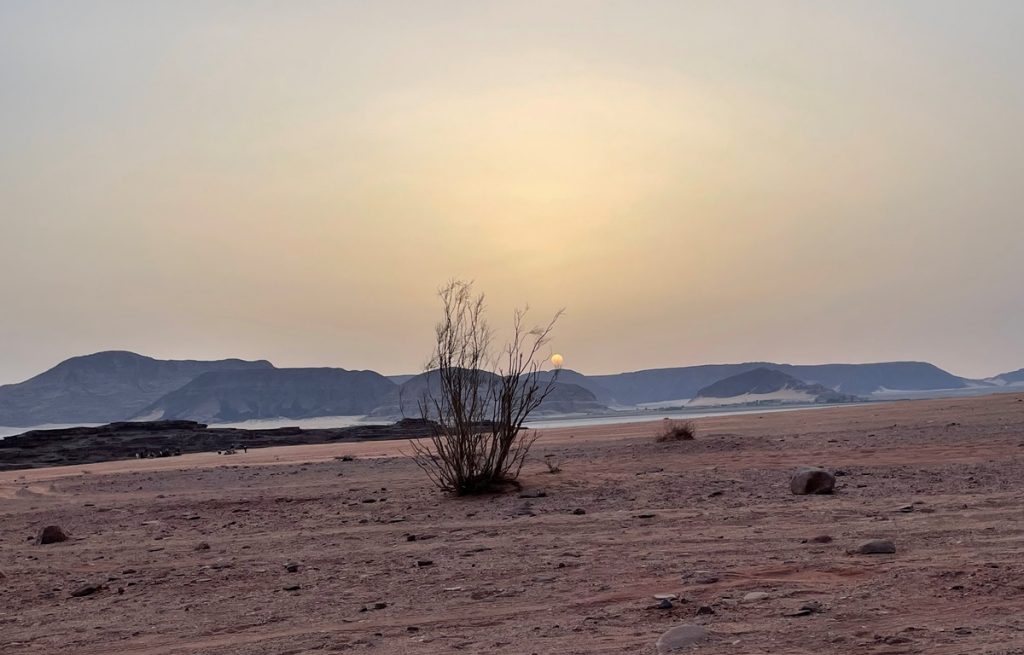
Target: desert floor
x: 709, y: 520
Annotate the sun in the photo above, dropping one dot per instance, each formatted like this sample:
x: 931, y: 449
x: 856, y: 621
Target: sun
x: 556, y: 360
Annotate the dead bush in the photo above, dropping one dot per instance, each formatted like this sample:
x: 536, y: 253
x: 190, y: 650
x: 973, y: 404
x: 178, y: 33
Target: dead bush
x: 677, y: 431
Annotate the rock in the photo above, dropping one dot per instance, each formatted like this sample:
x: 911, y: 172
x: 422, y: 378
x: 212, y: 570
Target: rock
x: 293, y: 587
x: 52, y: 534
x: 705, y: 610
x: 202, y: 545
x: 291, y: 567
x: 906, y: 509
x: 707, y: 579
x: 664, y: 604
x: 755, y: 596
x: 534, y: 493
x: 579, y: 511
x: 681, y: 637
x: 646, y: 515
x: 820, y: 539
x: 665, y: 596
x: 424, y: 562
x: 380, y: 606
x: 807, y: 609
x: 86, y: 590
x: 812, y: 480
x: 877, y: 547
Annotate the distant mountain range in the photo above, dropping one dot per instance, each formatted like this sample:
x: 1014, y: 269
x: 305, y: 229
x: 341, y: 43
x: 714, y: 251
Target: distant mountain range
x: 104, y: 387
x: 683, y: 383
x: 765, y: 386
x: 565, y: 397
x: 116, y: 386
x: 238, y: 395
x: 1013, y: 377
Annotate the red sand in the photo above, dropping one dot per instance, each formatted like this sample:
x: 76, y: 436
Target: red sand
x: 520, y: 576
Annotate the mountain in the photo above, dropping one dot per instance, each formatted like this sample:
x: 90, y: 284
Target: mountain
x: 294, y: 393
x: 666, y: 384
x: 1013, y: 377
x: 103, y: 387
x: 565, y: 398
x: 765, y: 385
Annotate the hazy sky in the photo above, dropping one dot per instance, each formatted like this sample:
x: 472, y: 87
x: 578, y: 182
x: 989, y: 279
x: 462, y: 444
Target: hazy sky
x: 694, y: 181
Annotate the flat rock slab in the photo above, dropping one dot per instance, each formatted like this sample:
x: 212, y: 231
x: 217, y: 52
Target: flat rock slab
x: 680, y: 637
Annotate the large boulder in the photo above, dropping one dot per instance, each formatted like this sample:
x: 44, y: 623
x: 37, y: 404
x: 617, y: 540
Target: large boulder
x: 812, y: 480
x: 681, y: 637
x: 52, y: 534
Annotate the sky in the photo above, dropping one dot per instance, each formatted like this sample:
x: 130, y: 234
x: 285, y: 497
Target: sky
x: 694, y: 182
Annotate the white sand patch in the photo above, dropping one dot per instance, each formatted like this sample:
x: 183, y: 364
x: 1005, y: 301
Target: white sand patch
x: 780, y: 396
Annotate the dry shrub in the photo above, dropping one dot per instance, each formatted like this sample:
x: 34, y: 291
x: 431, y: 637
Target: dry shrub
x: 479, y: 397
x: 677, y: 431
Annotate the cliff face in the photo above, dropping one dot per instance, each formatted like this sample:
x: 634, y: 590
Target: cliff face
x: 103, y: 387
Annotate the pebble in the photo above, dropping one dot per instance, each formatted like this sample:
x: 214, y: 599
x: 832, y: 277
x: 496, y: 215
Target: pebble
x: 86, y: 590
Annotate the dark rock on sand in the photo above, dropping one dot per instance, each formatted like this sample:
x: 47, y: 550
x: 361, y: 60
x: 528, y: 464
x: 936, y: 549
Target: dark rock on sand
x: 877, y: 547
x: 812, y: 480
x: 52, y: 534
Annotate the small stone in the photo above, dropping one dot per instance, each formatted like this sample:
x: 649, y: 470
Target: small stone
x: 534, y: 493
x: 646, y: 515
x: 821, y: 539
x: 707, y: 579
x: 424, y: 562
x: 291, y: 567
x: 877, y: 547
x: 86, y: 590
x: 906, y: 509
x: 579, y: 511
x: 202, y: 545
x: 807, y: 609
x: 380, y: 605
x: 704, y: 610
x: 664, y: 604
x: 292, y: 587
x: 681, y: 637
x: 754, y: 596
x: 812, y: 480
x: 665, y: 596
x: 52, y: 534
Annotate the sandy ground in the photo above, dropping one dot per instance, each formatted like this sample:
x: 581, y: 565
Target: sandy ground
x: 710, y: 520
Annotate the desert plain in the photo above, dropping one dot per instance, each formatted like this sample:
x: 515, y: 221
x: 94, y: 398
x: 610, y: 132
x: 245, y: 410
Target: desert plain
x: 346, y: 548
